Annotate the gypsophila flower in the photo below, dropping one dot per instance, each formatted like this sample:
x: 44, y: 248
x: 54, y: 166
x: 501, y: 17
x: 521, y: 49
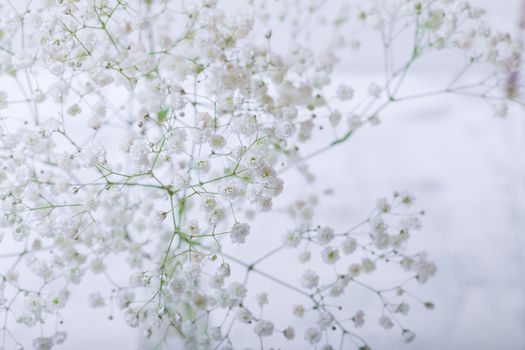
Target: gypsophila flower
x: 386, y: 322
x: 309, y: 279
x: 408, y: 336
x: 383, y: 205
x: 239, y: 232
x: 263, y: 328
x: 96, y: 300
x: 155, y: 131
x: 292, y: 239
x: 223, y: 271
x: 354, y: 269
x: 330, y: 255
x: 325, y: 235
x: 359, y: 319
x: 402, y: 308
x: 304, y: 256
x: 43, y: 343
x: 262, y: 299
x: 344, y: 92
x: 367, y: 265
x: 289, y: 333
x: 349, y: 246
x: 312, y: 335
x: 244, y: 315
x: 298, y: 310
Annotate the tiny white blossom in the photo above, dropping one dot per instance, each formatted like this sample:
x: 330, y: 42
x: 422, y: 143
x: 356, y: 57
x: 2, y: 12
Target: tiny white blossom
x: 289, y: 333
x: 309, y: 279
x: 349, y: 246
x: 344, y: 92
x: 298, y: 310
x: 262, y: 298
x: 239, y: 232
x: 408, y: 336
x: 312, y: 335
x: 325, y: 235
x: 304, y: 256
x: 359, y: 319
x: 96, y: 300
x: 263, y: 328
x: 330, y: 255
x: 244, y: 315
x: 386, y: 322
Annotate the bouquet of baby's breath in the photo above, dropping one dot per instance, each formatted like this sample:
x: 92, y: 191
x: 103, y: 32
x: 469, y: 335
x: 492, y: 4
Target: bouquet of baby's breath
x: 154, y: 134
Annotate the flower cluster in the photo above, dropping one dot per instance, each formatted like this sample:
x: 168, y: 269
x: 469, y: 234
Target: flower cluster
x: 151, y: 134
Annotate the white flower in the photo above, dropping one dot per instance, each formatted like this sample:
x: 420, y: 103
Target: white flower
x: 330, y: 255
x: 383, y: 205
x: 408, y: 336
x: 230, y: 191
x: 263, y: 328
x: 209, y: 203
x: 217, y: 142
x: 202, y: 166
x: 236, y: 292
x: 386, y: 322
x: 354, y: 269
x: 223, y: 271
x: 359, y: 319
x: 192, y: 227
x: 345, y: 92
x: 298, y: 310
x: 177, y: 286
x: 309, y: 279
x: 59, y: 337
x: 367, y: 265
x: 325, y: 235
x: 239, y: 232
x: 74, y: 110
x: 292, y: 239
x: 378, y: 225
x: 425, y: 270
x: 132, y: 318
x: 96, y: 300
x: 262, y: 298
x: 336, y: 290
x: 349, y: 246
x: 312, y: 335
x: 289, y: 333
x: 402, y: 308
x: 325, y: 320
x: 407, y: 198
x: 244, y: 315
x: 304, y: 256
x: 33, y: 303
x: 43, y: 343
x: 57, y: 300
x: 125, y: 298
